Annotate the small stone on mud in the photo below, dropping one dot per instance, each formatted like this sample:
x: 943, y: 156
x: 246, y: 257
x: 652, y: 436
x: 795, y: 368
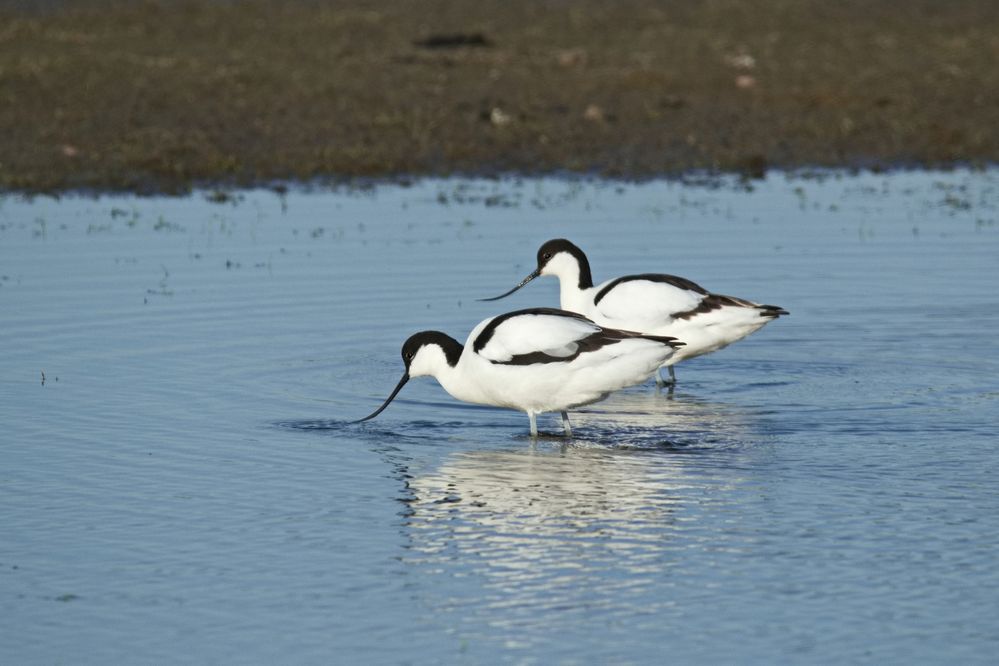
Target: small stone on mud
x: 741, y: 61
x: 594, y: 113
x: 499, y: 117
x: 571, y: 57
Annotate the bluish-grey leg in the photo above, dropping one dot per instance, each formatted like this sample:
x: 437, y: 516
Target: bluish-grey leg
x: 534, y: 424
x: 565, y: 424
x: 661, y: 380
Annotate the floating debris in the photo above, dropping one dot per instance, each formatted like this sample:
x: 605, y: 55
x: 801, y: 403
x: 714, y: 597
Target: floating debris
x: 218, y: 196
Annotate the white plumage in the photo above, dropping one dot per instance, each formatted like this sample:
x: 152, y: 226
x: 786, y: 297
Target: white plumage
x: 536, y: 360
x: 652, y: 303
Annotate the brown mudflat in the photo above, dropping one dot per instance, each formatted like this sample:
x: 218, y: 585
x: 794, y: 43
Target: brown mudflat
x: 160, y: 96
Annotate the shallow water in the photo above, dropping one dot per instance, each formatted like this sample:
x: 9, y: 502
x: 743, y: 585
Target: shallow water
x: 184, y: 484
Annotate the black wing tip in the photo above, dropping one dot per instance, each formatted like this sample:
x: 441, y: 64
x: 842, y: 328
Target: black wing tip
x: 666, y: 340
x: 621, y: 334
x: 773, y: 311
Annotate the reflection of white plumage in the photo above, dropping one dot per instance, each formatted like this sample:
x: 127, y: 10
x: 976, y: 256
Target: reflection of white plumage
x: 548, y: 529
x: 653, y: 303
x: 562, y: 492
x: 536, y: 360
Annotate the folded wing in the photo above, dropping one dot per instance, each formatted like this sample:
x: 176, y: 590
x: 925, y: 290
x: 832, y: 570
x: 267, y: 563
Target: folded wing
x: 542, y: 335
x: 646, y: 301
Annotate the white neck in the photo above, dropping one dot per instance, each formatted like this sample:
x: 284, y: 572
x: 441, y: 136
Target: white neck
x: 461, y: 385
x: 571, y: 297
x: 431, y: 361
x: 565, y: 267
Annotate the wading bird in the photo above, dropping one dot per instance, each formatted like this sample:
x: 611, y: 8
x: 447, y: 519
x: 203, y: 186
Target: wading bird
x: 651, y: 303
x: 536, y: 360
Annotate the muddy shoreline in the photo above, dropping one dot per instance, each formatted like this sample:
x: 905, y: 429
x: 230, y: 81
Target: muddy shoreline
x: 160, y: 96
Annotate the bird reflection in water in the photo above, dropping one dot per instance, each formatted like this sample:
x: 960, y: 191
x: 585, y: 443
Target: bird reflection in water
x: 640, y: 419
x: 594, y: 524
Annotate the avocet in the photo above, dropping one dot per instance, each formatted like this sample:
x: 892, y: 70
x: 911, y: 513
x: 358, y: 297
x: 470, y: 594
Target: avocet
x: 651, y: 303
x: 536, y: 360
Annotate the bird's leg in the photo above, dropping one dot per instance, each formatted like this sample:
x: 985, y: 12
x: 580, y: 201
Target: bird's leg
x: 565, y: 424
x: 534, y: 424
x: 661, y: 381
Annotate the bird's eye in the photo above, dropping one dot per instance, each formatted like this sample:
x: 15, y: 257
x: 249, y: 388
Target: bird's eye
x: 410, y: 356
x: 548, y: 255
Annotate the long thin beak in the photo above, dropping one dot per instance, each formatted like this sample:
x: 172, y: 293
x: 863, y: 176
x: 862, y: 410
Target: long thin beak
x: 398, y: 387
x: 530, y: 277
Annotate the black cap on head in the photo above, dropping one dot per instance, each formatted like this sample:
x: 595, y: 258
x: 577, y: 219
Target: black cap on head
x: 550, y: 248
x: 545, y: 254
x: 556, y: 245
x: 452, y: 352
x: 451, y: 347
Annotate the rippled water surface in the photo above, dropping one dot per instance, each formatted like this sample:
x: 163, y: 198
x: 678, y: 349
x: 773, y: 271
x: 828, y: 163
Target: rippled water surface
x: 179, y: 480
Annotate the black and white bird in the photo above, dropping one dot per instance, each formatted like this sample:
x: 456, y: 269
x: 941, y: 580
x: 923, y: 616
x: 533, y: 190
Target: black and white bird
x: 651, y: 303
x: 536, y: 360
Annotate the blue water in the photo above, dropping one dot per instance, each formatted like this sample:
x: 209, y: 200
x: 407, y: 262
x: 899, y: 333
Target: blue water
x: 184, y: 486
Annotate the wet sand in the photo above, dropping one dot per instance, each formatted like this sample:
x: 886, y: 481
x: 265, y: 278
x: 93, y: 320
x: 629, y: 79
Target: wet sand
x: 160, y: 96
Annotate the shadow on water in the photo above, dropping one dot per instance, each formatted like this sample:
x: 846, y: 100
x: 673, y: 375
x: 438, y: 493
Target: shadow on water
x: 640, y: 419
x: 377, y: 434
x: 678, y: 421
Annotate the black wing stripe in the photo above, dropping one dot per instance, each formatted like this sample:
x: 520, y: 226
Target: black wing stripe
x: 679, y: 282
x: 592, y: 342
x: 605, y: 337
x: 717, y: 301
x: 535, y: 357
